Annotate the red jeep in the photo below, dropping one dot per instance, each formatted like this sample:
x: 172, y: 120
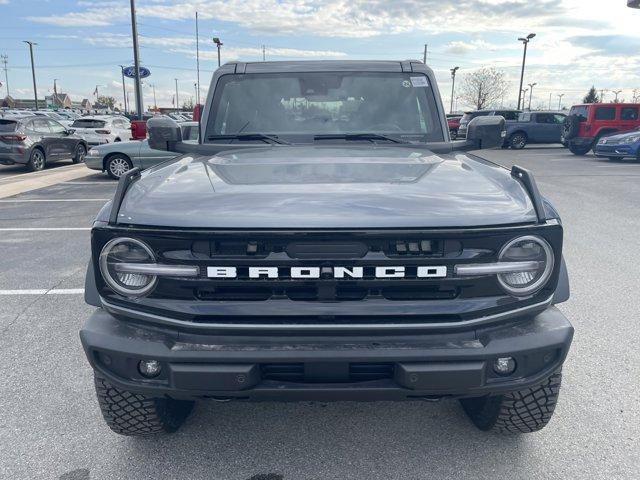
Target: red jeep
x: 586, y: 124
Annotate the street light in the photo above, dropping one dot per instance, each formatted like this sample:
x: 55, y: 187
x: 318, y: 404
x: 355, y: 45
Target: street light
x: 136, y: 60
x: 219, y: 44
x: 177, y: 102
x: 523, y: 93
x: 453, y: 85
x: 33, y: 70
x: 124, y: 90
x: 616, y: 92
x: 525, y: 41
x: 531, y: 85
x: 560, y: 95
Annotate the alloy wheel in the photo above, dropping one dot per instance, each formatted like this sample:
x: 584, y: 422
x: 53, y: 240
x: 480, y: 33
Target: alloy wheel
x: 118, y: 166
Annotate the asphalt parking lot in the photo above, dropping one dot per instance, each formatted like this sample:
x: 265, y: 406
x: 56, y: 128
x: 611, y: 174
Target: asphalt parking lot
x: 50, y: 425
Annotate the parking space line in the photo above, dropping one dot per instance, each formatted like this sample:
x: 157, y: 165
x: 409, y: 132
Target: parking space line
x: 27, y: 200
x: 42, y: 229
x: 102, y: 183
x: 36, y: 180
x: 44, y: 291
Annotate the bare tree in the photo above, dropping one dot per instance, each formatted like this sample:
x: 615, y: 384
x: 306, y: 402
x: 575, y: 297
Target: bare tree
x: 483, y: 88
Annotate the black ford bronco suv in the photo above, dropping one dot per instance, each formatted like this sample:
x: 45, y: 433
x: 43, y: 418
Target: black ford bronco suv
x: 326, y: 240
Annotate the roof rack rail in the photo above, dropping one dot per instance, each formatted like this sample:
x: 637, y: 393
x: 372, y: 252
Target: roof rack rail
x: 123, y: 185
x: 531, y: 187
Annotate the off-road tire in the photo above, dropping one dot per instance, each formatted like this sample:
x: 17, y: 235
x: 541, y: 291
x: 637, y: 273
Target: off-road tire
x: 37, y: 160
x: 523, y: 411
x: 133, y: 414
x: 518, y: 141
x: 117, y: 165
x: 80, y: 153
x: 580, y: 150
x: 571, y: 127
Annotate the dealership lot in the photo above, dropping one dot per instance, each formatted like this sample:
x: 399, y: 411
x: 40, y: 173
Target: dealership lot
x: 50, y: 425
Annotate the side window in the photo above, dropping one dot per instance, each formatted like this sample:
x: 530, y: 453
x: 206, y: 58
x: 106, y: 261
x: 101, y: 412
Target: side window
x: 524, y: 117
x: 508, y: 115
x: 40, y: 125
x: 544, y: 118
x: 559, y: 118
x: 629, y: 113
x: 605, y: 113
x: 56, y: 127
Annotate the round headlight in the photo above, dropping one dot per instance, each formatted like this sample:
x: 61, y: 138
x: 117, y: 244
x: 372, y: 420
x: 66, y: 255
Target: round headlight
x: 532, y: 251
x: 126, y: 250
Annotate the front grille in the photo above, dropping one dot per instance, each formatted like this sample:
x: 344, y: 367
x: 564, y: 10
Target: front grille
x: 286, y: 300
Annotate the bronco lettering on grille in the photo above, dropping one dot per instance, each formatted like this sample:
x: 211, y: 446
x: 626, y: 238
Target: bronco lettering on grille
x: 305, y: 273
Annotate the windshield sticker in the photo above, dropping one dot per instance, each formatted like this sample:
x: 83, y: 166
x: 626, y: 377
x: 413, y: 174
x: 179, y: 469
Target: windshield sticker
x: 406, y: 84
x: 420, y: 81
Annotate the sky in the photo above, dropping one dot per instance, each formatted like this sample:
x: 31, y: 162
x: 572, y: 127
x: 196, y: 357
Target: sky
x: 81, y: 43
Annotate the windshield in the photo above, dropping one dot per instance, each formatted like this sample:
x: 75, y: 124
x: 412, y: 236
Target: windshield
x: 300, y: 105
x: 88, y: 123
x: 8, y: 125
x: 580, y: 112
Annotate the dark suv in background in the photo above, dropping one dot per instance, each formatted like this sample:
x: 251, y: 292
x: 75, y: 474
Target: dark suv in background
x: 468, y: 116
x: 588, y: 123
x: 33, y: 141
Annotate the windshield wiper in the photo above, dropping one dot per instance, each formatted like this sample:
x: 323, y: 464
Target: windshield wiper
x: 358, y: 136
x: 250, y: 136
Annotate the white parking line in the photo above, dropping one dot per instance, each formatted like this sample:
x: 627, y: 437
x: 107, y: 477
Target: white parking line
x: 44, y: 291
x: 43, y: 229
x: 56, y: 200
x: 102, y: 183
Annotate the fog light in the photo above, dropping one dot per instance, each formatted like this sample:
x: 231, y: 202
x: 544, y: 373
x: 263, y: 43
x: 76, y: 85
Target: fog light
x: 504, y: 365
x: 149, y: 368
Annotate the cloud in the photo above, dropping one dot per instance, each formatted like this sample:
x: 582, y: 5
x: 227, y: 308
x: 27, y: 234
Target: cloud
x: 608, y: 44
x: 280, y: 53
x: 330, y: 18
x: 464, y: 47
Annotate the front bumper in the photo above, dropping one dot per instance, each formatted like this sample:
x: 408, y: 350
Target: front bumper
x: 94, y: 163
x: 619, y: 151
x: 581, y: 141
x: 326, y: 367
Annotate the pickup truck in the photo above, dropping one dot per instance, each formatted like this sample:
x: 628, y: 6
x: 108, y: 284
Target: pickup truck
x: 534, y: 127
x: 326, y: 240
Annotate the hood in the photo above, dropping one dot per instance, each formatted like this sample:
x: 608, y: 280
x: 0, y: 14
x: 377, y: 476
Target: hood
x: 623, y: 136
x: 289, y: 187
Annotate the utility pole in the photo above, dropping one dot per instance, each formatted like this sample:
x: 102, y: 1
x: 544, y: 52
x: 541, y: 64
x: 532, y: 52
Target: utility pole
x: 195, y: 85
x: 136, y: 60
x: 177, y: 101
x: 453, y: 86
x: 219, y: 44
x: 33, y: 71
x: 617, y: 92
x: 264, y: 53
x: 124, y: 90
x: 560, y: 95
x: 525, y: 42
x: 531, y: 85
x: 197, y: 63
x: 5, y: 60
x: 424, y: 57
x: 602, y: 95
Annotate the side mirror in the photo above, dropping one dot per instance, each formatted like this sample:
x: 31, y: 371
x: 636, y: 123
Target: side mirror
x: 164, y: 133
x: 70, y: 131
x: 486, y: 132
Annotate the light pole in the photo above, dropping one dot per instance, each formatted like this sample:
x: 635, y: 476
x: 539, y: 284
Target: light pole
x: 5, y: 60
x: 177, y: 102
x: 531, y: 85
x: 453, y: 86
x: 136, y: 60
x: 155, y: 104
x: 525, y: 41
x: 616, y: 92
x: 424, y: 56
x: 124, y: 90
x: 524, y: 95
x: 197, y: 61
x: 219, y: 44
x: 195, y: 85
x: 33, y: 70
x: 560, y: 95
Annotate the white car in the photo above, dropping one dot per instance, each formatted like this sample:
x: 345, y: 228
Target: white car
x: 99, y: 129
x: 53, y: 116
